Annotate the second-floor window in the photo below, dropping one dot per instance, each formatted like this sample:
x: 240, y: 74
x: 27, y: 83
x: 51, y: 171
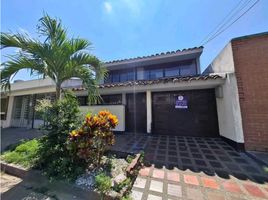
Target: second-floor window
x: 184, y: 68
x: 120, y: 76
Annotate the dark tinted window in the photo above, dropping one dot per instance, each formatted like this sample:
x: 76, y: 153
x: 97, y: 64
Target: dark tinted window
x: 172, y: 71
x: 115, y: 99
x: 156, y: 73
x: 188, y: 69
x: 82, y: 100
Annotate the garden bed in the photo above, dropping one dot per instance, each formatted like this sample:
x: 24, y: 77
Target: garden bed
x: 119, y: 171
x: 117, y: 168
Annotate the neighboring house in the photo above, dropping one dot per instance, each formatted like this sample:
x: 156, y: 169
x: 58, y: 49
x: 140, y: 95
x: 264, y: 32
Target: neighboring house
x: 158, y: 94
x: 245, y: 61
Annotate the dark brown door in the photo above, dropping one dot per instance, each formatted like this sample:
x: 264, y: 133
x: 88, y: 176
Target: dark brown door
x: 197, y: 118
x: 136, y: 113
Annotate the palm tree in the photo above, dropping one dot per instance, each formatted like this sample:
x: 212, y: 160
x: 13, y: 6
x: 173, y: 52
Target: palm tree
x: 54, y: 56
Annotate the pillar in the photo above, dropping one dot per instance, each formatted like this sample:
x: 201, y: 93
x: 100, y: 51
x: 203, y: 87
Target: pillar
x: 149, y: 110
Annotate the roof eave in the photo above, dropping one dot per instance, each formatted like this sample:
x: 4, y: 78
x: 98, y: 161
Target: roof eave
x: 156, y: 59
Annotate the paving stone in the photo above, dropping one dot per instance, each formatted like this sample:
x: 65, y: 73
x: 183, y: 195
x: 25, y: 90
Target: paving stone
x: 172, y: 159
x: 210, y: 157
x: 186, y: 161
x: 156, y: 186
x: 158, y: 173
x: 215, y: 196
x: 173, y: 176
x: 174, y: 190
x: 144, y: 171
x: 215, y: 164
x: 232, y: 187
x: 172, y: 153
x: 140, y: 182
x: 210, y: 183
x: 254, y: 190
x: 200, y: 162
x: 184, y: 154
x: 189, y: 179
x: 241, y: 160
x: 225, y: 159
x: 194, y: 194
x: 153, y: 197
x: 136, y: 195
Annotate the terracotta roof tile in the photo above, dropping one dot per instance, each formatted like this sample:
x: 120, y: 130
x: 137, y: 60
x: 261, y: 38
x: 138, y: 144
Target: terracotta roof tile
x: 156, y: 81
x: 153, y: 55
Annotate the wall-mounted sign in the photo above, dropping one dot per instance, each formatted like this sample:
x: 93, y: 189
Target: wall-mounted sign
x: 181, y: 102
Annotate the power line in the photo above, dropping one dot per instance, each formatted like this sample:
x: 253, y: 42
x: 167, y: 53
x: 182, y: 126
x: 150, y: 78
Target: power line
x: 229, y: 19
x: 231, y: 23
x: 223, y: 20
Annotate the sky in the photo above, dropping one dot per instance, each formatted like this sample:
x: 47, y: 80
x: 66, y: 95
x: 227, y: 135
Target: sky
x: 122, y: 29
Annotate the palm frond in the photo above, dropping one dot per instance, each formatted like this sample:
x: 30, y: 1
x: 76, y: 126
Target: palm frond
x: 52, y: 29
x: 14, y: 65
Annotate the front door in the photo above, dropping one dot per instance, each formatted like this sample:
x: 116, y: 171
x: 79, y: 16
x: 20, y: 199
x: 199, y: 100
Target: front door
x: 136, y: 113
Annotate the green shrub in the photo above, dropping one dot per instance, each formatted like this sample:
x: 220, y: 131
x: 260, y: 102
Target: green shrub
x: 126, y: 183
x: 62, y: 117
x: 25, y: 154
x: 103, y: 184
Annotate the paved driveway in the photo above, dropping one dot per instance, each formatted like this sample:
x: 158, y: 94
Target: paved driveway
x: 194, y: 168
x: 11, y: 136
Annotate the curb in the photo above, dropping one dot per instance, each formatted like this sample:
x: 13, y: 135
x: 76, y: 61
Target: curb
x: 14, y: 170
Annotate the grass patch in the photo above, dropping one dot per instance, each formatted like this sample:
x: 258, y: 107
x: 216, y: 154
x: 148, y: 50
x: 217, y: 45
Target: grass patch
x: 24, y: 154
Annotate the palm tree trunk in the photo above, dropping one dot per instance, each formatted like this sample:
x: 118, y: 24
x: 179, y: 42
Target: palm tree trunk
x: 58, y: 91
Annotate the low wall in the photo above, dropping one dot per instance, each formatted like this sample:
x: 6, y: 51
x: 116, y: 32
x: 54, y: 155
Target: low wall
x: 118, y: 110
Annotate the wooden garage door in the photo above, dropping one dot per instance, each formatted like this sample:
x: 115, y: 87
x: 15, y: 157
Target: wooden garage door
x: 198, y: 117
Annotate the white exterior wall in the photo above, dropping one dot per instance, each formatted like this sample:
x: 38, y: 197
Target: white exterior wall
x: 118, y: 110
x: 228, y: 107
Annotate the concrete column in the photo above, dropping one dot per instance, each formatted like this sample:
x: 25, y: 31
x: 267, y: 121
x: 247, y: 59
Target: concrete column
x: 124, y: 99
x: 9, y: 111
x: 149, y: 110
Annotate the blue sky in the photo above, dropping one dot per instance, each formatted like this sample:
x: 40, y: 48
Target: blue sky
x: 129, y: 28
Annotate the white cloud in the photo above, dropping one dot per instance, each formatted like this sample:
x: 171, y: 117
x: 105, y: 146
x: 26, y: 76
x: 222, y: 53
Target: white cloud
x: 108, y: 7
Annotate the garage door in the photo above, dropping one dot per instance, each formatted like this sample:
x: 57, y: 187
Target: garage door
x: 185, y: 113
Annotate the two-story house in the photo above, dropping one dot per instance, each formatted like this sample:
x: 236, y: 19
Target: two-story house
x: 161, y: 94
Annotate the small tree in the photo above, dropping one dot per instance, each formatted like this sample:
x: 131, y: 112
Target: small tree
x: 62, y: 117
x: 93, y: 138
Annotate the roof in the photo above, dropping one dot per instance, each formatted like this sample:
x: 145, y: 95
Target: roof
x: 250, y: 36
x: 155, y: 81
x: 177, y: 52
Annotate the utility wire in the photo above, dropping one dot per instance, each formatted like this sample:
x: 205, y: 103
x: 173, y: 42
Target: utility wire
x: 231, y: 23
x: 229, y: 19
x: 223, y: 20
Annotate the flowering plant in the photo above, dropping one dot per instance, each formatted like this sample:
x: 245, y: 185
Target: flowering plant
x: 93, y: 138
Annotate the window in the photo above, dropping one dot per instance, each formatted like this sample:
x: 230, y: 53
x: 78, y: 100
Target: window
x: 172, y: 71
x: 82, y: 100
x: 4, y: 104
x: 156, y: 73
x: 115, y: 78
x: 188, y: 69
x: 115, y: 99
x: 127, y: 76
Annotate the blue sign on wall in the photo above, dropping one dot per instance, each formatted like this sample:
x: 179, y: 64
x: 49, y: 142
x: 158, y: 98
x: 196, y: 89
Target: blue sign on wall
x: 181, y: 102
